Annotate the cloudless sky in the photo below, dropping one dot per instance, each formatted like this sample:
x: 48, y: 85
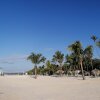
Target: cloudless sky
x: 44, y: 26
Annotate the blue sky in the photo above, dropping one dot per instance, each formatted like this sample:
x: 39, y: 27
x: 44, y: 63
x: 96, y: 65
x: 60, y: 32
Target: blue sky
x: 44, y: 26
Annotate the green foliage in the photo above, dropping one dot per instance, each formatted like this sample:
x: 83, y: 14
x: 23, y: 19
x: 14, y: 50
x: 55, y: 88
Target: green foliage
x: 94, y: 38
x: 76, y: 53
x: 36, y: 58
x: 96, y: 63
x: 98, y: 43
x: 58, y: 57
x: 78, y: 58
x: 30, y: 72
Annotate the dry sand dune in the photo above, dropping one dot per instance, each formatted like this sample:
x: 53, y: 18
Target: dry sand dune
x: 49, y: 88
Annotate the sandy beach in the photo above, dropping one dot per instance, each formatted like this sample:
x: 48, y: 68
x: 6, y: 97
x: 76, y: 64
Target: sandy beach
x: 49, y: 88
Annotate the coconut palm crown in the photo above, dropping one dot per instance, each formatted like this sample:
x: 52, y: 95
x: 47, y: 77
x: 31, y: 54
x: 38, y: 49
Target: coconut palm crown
x: 94, y: 38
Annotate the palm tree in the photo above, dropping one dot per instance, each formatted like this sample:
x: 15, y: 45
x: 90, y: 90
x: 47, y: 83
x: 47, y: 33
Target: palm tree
x: 88, y: 54
x: 94, y: 38
x: 76, y: 49
x: 69, y: 60
x: 49, y: 67
x: 58, y: 57
x: 96, y: 43
x: 36, y: 59
x: 48, y: 64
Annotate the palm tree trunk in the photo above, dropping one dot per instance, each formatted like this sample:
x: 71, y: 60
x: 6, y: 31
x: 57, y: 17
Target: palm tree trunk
x: 61, y: 69
x: 82, y: 70
x: 35, y: 72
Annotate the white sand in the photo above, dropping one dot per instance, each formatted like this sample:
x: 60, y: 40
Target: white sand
x: 49, y: 88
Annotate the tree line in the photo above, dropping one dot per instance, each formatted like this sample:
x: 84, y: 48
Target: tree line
x: 79, y: 58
